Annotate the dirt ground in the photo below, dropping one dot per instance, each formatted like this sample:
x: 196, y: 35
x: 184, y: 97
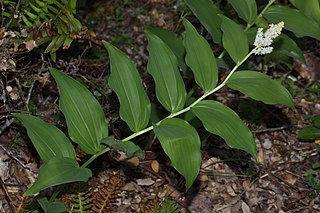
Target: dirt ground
x: 229, y: 180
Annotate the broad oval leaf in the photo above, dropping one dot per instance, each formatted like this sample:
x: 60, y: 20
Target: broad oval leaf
x: 224, y: 122
x: 48, y: 140
x: 309, y: 133
x: 56, y: 206
x: 124, y: 79
x: 247, y: 10
x: 180, y: 141
x: 294, y: 21
x: 58, y: 171
x: 260, y: 87
x: 310, y: 8
x: 288, y: 46
x: 200, y: 58
x: 163, y: 66
x: 234, y: 39
x: 173, y: 42
x: 85, y: 119
x: 207, y: 13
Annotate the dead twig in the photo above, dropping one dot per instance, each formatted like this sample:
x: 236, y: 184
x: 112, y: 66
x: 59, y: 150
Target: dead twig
x: 260, y: 131
x: 6, y: 125
x: 3, y: 185
x: 13, y: 157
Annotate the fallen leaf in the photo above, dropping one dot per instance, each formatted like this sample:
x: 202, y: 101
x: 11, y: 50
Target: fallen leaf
x: 155, y: 166
x: 30, y: 45
x: 245, y: 208
x: 133, y: 162
x: 290, y: 179
x: 231, y: 191
x: 42, y: 79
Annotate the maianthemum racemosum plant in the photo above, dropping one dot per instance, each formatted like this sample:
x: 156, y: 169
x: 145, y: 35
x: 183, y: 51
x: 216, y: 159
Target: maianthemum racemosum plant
x: 86, y: 122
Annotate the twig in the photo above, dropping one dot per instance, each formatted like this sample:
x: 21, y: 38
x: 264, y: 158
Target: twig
x: 13, y: 209
x: 3, y: 92
x: 6, y: 125
x: 260, y: 131
x: 21, y: 93
x: 13, y: 157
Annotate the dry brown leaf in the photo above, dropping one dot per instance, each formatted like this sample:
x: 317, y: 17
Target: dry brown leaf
x: 43, y: 78
x: 30, y: 45
x: 290, y: 179
x: 155, y: 166
x: 245, y: 208
x: 133, y: 162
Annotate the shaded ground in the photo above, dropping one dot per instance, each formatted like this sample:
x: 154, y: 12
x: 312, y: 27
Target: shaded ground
x: 229, y: 180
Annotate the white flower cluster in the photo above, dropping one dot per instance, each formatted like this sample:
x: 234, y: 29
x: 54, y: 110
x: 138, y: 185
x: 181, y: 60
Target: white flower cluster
x: 264, y: 39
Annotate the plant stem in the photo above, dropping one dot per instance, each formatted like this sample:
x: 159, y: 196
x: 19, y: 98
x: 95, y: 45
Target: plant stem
x: 93, y: 157
x: 260, y: 15
x: 253, y: 23
x: 197, y: 101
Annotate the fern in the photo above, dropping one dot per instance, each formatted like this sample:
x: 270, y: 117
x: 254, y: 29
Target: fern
x: 80, y: 202
x: 51, y: 21
x: 168, y: 206
x: 105, y: 196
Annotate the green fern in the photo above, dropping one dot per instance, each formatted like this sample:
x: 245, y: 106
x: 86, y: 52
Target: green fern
x: 168, y: 206
x: 51, y: 21
x: 81, y: 202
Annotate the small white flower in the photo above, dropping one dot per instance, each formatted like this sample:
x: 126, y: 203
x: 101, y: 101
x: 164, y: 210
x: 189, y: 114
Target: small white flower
x: 264, y: 39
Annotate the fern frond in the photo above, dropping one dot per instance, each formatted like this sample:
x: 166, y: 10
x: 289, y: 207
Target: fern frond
x: 105, y: 197
x: 168, y: 206
x: 80, y: 202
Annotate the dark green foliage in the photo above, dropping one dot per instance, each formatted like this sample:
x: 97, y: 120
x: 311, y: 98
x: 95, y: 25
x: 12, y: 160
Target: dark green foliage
x: 311, y: 132
x: 81, y: 202
x: 168, y: 206
x: 46, y: 21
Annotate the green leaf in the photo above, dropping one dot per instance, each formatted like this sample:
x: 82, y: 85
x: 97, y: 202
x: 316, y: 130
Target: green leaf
x: 293, y: 20
x: 124, y: 79
x: 85, y: 119
x: 310, y: 8
x: 207, y: 13
x: 163, y: 66
x: 56, y: 206
x: 200, y: 58
x: 125, y: 146
x: 316, y: 121
x: 287, y: 46
x: 234, y: 39
x: 260, y: 87
x: 180, y: 141
x: 224, y: 122
x: 52, y: 44
x: 316, y: 165
x: 247, y: 10
x: 48, y: 140
x: 279, y: 57
x: 173, y: 42
x: 309, y: 133
x: 58, y: 171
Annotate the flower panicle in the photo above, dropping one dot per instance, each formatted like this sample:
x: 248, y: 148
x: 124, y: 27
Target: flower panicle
x: 264, y: 40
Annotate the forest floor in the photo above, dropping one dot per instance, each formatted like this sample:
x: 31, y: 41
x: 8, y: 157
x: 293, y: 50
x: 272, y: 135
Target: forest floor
x: 229, y: 180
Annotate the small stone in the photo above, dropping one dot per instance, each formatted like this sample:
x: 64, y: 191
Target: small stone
x: 267, y: 144
x: 132, y: 187
x: 145, y: 182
